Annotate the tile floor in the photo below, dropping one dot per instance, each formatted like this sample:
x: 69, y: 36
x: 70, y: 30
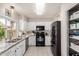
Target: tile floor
x: 38, y: 51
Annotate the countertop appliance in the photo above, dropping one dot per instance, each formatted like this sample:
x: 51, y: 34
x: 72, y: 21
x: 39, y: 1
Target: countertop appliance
x: 56, y: 38
x: 40, y: 36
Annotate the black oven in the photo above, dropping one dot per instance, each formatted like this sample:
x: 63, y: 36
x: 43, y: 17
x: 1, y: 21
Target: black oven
x: 40, y: 36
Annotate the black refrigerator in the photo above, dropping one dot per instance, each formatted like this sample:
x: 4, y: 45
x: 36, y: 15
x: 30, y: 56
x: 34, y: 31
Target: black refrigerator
x: 56, y: 38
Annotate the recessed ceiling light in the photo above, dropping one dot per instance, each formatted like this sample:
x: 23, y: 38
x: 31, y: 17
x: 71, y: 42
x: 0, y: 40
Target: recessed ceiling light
x: 40, y: 6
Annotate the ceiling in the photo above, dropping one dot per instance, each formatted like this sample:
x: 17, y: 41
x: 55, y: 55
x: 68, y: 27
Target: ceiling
x: 51, y: 9
x: 28, y: 9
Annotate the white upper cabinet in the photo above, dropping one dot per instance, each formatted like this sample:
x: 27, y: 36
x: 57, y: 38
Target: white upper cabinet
x: 23, y: 24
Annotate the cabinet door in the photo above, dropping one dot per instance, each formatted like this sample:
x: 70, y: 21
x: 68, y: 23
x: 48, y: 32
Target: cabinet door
x: 47, y: 40
x: 20, y: 49
x: 23, y: 47
x: 12, y: 51
x: 22, y: 24
x: 32, y: 40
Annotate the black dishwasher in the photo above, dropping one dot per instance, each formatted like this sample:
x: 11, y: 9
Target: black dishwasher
x: 27, y: 44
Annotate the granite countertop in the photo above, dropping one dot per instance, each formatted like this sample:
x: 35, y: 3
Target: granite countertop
x: 6, y: 46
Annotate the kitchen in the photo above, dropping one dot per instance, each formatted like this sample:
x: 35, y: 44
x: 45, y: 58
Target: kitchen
x: 20, y: 25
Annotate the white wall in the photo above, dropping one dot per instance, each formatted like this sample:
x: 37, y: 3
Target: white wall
x: 32, y: 25
x: 35, y: 22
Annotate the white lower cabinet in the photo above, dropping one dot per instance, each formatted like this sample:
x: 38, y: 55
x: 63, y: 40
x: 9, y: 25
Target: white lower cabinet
x: 17, y: 50
x: 32, y: 40
x: 23, y: 47
x: 20, y: 48
x: 47, y: 40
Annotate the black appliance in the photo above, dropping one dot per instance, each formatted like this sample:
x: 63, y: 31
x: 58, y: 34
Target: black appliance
x: 56, y: 38
x: 40, y: 36
x: 26, y: 43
